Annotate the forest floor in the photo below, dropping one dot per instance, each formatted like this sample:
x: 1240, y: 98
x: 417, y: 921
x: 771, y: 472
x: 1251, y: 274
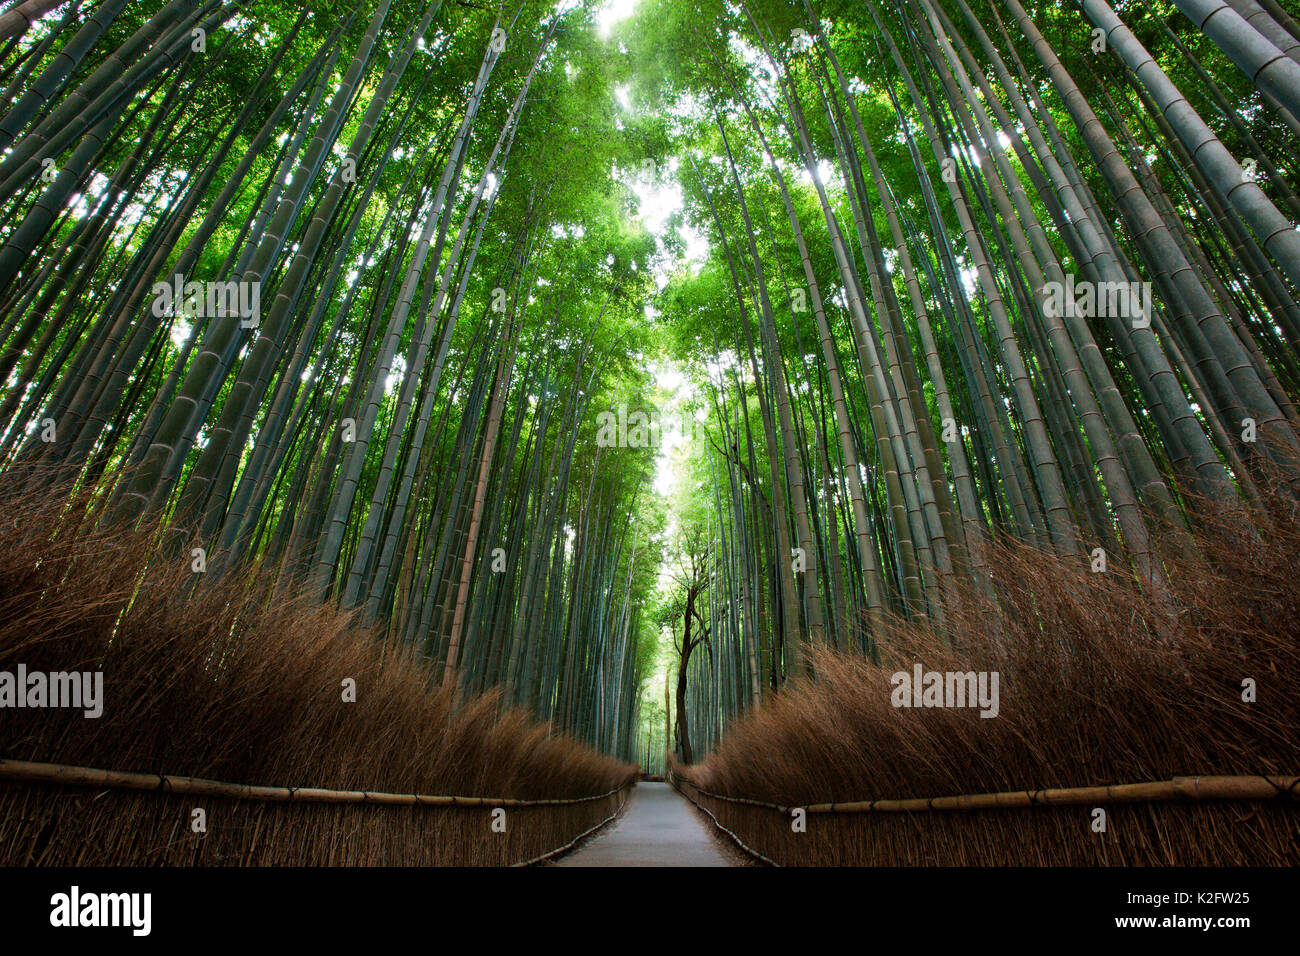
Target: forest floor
x: 657, y: 828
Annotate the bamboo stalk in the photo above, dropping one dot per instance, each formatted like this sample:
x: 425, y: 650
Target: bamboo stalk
x: 60, y: 774
x: 1258, y: 787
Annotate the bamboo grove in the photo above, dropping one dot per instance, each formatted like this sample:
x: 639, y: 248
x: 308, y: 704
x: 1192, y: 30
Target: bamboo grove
x: 341, y: 297
x: 902, y: 199
x: 431, y: 287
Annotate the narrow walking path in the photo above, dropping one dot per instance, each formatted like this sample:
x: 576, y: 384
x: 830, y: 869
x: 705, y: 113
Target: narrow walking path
x: 658, y: 828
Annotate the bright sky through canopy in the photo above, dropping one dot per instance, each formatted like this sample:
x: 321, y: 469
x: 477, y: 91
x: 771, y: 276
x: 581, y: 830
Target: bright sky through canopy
x: 611, y: 13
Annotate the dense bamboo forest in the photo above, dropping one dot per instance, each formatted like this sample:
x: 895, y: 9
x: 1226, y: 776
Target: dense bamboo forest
x: 432, y: 400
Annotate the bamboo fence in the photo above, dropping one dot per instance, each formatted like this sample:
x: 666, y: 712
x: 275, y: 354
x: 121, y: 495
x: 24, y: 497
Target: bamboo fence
x: 28, y: 771
x: 1253, y: 787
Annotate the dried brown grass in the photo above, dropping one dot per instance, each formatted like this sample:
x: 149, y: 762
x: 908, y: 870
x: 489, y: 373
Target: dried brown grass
x: 1100, y: 683
x: 228, y: 684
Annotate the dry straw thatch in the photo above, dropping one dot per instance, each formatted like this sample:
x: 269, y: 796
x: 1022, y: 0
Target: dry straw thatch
x: 226, y: 684
x: 1100, y: 683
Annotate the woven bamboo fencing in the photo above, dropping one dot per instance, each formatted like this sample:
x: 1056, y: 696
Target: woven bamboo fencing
x: 272, y: 825
x: 1266, y: 831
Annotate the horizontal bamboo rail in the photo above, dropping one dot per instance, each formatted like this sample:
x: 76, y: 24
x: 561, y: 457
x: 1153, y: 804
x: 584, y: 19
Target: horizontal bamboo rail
x: 579, y: 838
x: 731, y: 833
x: 1259, y: 787
x: 61, y: 775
